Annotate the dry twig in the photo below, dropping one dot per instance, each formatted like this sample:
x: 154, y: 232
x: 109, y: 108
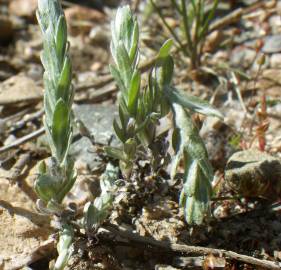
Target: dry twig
x: 191, y: 249
x: 22, y: 140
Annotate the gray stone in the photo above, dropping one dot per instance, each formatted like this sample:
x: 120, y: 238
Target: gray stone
x: 252, y: 173
x: 98, y: 119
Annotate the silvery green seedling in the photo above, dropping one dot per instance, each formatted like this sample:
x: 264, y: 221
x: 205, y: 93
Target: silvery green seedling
x: 124, y: 49
x: 140, y: 110
x: 57, y: 174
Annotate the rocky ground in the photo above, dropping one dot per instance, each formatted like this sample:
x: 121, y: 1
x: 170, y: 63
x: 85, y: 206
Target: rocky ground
x: 146, y: 228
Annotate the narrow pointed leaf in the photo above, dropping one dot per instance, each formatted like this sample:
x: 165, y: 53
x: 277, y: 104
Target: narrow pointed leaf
x: 164, y: 51
x: 116, y: 75
x: 119, y: 131
x: 133, y: 93
x: 198, y: 173
x: 124, y: 64
x: 60, y: 128
x: 134, y: 43
x: 191, y: 102
x: 115, y: 153
x: 65, y: 81
x: 61, y: 37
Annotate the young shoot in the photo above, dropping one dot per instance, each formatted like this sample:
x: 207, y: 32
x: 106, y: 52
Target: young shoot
x: 57, y: 174
x: 195, y: 22
x: 140, y: 110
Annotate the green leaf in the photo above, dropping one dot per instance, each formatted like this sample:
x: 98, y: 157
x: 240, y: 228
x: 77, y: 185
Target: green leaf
x: 47, y: 187
x: 191, y: 102
x: 178, y: 146
x: 211, y: 15
x: 119, y: 131
x: 133, y: 93
x: 195, y: 197
x: 68, y: 181
x: 124, y: 26
x: 42, y: 167
x: 130, y: 147
x: 116, y: 75
x: 134, y: 43
x: 124, y: 64
x: 164, y: 71
x: 198, y: 172
x: 49, y: 137
x: 126, y: 168
x: 68, y: 185
x: 61, y: 37
x: 115, y: 153
x: 90, y: 216
x: 63, y: 91
x: 61, y: 128
x: 96, y: 213
x: 123, y: 114
x: 48, y: 107
x: 175, y: 163
x: 165, y: 49
x: 197, y: 151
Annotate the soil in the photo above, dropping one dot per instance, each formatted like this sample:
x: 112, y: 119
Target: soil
x: 231, y: 77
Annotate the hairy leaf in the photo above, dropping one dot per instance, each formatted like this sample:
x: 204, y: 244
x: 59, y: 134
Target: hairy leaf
x: 61, y: 38
x: 197, y: 190
x: 116, y: 75
x: 60, y: 128
x: 96, y: 213
x: 191, y: 102
x: 133, y: 93
x: 164, y: 51
x: 65, y: 81
x: 47, y: 187
x: 124, y: 64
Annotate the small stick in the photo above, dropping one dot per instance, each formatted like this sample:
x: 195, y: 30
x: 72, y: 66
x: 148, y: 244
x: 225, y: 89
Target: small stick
x: 236, y: 15
x: 232, y: 17
x: 19, y: 166
x: 17, y: 169
x: 235, y: 83
x: 22, y: 140
x: 117, y: 230
x: 29, y: 118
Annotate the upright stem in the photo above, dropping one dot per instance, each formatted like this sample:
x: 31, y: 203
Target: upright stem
x: 186, y: 27
x: 196, y: 39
